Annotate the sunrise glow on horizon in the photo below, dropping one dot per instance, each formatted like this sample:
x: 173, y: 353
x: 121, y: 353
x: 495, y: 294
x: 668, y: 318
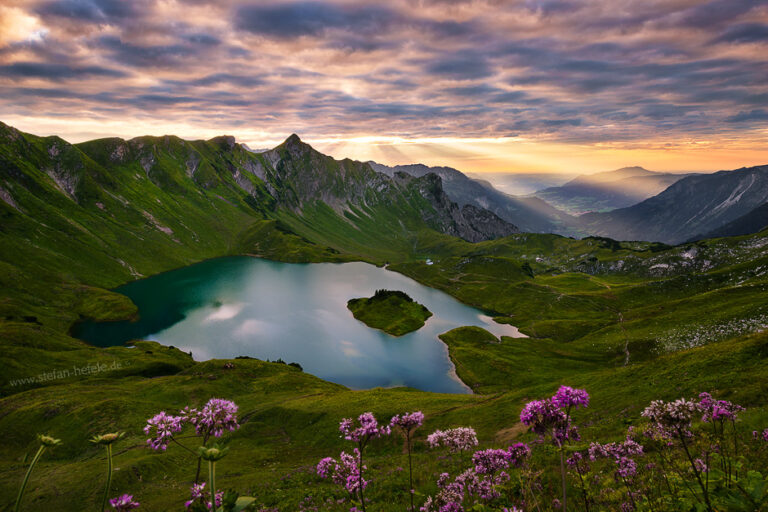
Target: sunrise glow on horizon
x: 482, y: 86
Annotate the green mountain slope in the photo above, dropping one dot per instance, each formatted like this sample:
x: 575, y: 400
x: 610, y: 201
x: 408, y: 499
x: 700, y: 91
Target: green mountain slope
x: 629, y: 321
x: 109, y: 210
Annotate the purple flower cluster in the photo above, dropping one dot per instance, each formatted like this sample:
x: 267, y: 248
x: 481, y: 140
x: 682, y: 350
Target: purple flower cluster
x: 455, y: 439
x: 215, y: 417
x: 368, y: 428
x: 470, y: 483
x: 199, y: 494
x: 344, y: 472
x: 407, y: 421
x: 552, y: 416
x: 542, y: 416
x: 161, y: 428
x: 480, y: 481
x: 756, y: 434
x: 517, y: 454
x: 448, y: 499
x: 620, y: 453
x: 626, y: 467
x: 626, y: 448
x: 670, y: 418
x: 717, y: 410
x: 488, y: 462
x: 123, y: 503
x: 574, y: 459
x: 482, y: 486
x: 567, y: 396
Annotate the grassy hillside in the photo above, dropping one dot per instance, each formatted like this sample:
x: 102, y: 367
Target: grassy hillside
x: 77, y: 220
x: 628, y: 321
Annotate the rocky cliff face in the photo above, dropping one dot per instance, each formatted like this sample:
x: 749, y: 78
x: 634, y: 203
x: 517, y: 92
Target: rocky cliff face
x: 468, y: 222
x: 527, y: 213
x: 309, y: 176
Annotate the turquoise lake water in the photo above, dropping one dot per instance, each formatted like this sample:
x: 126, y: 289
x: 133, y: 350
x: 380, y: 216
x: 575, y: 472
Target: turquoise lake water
x: 235, y: 306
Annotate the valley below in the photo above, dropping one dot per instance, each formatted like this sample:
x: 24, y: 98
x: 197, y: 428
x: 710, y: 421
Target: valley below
x: 145, y: 248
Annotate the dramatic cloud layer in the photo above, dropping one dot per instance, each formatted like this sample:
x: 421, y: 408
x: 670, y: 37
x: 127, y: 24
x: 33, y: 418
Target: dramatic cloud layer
x: 403, y: 79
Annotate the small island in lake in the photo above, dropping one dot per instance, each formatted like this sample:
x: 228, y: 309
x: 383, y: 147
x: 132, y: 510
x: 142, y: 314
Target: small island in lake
x: 393, y: 312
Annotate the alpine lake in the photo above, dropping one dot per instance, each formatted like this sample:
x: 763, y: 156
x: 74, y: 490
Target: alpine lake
x: 244, y: 306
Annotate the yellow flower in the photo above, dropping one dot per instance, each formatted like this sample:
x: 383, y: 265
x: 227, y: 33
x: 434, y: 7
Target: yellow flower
x: 48, y: 440
x: 107, y: 438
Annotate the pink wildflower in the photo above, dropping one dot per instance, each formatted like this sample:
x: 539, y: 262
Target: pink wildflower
x: 216, y: 416
x: 369, y: 428
x: 161, y: 427
x: 123, y: 503
x: 456, y: 439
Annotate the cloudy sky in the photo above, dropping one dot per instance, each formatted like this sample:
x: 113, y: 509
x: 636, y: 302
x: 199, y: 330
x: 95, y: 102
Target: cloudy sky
x: 518, y: 85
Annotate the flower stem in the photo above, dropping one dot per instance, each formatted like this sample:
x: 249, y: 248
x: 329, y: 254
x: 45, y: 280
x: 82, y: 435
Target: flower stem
x: 188, y: 449
x: 681, y: 434
x: 360, y: 477
x: 199, y: 459
x: 410, y: 468
x: 26, y: 477
x: 583, y: 486
x: 212, y: 483
x: 109, y: 478
x: 562, y: 477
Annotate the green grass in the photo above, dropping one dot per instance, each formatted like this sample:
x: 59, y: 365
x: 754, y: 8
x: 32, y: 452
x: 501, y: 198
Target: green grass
x: 289, y: 421
x: 393, y: 312
x: 628, y: 321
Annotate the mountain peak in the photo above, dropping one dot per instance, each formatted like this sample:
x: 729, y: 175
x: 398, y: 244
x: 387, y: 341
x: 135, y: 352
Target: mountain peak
x: 295, y: 145
x: 227, y: 141
x: 635, y: 168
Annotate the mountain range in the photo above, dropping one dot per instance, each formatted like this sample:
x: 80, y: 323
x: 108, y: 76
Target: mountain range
x: 528, y: 213
x: 607, y: 190
x: 690, y: 207
x: 752, y: 222
x: 167, y: 193
x: 111, y: 193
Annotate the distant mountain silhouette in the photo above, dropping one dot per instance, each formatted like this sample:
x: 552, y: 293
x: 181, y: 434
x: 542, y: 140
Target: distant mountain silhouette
x: 691, y: 206
x: 608, y: 190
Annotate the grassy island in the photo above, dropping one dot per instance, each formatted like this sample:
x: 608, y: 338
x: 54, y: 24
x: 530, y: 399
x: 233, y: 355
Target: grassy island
x: 393, y: 312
